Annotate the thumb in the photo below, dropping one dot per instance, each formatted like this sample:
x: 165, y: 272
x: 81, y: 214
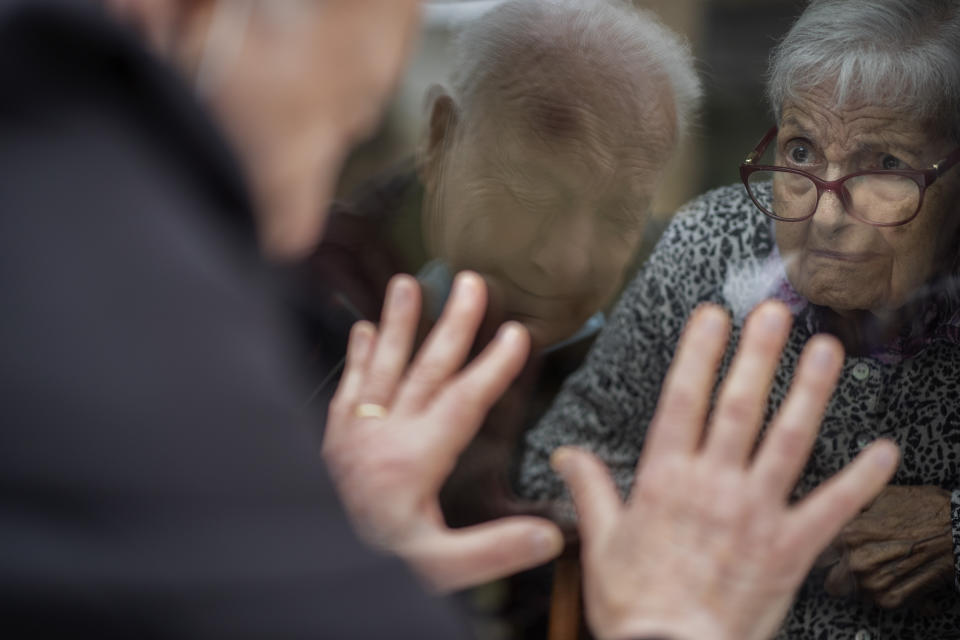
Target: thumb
x: 594, y: 494
x: 461, y: 558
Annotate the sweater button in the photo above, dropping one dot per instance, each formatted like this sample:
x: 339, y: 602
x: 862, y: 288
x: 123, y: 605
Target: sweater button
x: 861, y: 371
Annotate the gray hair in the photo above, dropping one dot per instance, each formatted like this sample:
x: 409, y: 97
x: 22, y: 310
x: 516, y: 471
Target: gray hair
x: 610, y: 32
x: 902, y: 54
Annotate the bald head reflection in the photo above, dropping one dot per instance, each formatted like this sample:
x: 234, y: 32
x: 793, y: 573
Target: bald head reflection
x: 543, y: 157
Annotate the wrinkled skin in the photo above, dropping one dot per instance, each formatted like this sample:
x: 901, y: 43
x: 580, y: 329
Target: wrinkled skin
x: 899, y: 549
x: 551, y: 223
x: 833, y: 259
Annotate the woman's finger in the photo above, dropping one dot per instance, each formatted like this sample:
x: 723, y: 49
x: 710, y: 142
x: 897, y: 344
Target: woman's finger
x: 448, y: 344
x: 919, y: 582
x: 743, y: 395
x: 813, y: 523
x: 840, y: 582
x: 362, y: 336
x: 594, y: 494
x: 788, y: 442
x: 883, y: 577
x: 391, y: 352
x: 677, y: 425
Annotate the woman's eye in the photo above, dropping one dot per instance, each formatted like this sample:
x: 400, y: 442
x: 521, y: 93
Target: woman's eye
x: 891, y: 162
x: 799, y: 154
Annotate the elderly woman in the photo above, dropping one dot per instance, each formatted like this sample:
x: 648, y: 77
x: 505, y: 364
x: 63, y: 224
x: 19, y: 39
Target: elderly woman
x: 850, y: 213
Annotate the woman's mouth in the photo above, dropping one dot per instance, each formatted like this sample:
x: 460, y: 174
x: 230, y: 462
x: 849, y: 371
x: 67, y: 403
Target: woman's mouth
x: 843, y: 256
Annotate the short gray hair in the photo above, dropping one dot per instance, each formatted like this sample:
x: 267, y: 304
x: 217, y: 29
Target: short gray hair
x: 613, y: 33
x: 902, y: 54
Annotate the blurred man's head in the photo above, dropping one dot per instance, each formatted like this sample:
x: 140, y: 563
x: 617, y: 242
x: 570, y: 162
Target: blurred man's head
x: 541, y: 163
x: 295, y: 83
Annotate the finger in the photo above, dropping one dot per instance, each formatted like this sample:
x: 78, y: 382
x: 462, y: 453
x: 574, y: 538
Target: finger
x: 877, y: 581
x: 873, y: 558
x: 391, y: 352
x: 840, y: 583
x: 743, y: 394
x: 886, y: 564
x: 882, y: 579
x: 447, y: 345
x: 786, y: 447
x: 916, y: 584
x: 594, y: 494
x: 471, y: 556
x: 463, y: 404
x: 820, y: 516
x: 682, y: 408
x: 829, y: 556
x: 362, y: 336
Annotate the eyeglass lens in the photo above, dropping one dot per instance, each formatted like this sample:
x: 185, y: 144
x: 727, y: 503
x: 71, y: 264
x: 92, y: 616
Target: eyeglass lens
x: 873, y: 197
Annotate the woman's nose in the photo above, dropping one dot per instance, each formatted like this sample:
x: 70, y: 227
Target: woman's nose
x: 831, y: 210
x: 562, y: 252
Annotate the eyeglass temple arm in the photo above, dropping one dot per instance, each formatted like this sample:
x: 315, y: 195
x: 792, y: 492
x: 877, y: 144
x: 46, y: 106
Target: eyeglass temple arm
x: 761, y: 146
x: 952, y: 159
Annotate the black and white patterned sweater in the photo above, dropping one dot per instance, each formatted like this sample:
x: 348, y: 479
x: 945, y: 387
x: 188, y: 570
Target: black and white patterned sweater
x: 721, y: 249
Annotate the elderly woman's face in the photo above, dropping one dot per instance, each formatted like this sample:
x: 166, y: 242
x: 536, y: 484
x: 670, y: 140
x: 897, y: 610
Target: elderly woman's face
x: 552, y: 227
x: 835, y: 260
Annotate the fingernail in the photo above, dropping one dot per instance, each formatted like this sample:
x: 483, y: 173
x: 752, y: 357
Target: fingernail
x: 823, y: 354
x: 713, y: 320
x: 466, y: 282
x: 509, y: 332
x: 362, y: 333
x: 887, y: 457
x: 547, y: 542
x: 560, y: 460
x: 773, y: 318
x: 402, y: 292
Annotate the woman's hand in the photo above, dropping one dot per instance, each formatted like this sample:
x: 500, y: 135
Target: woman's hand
x: 707, y: 546
x: 899, y: 548
x: 395, y: 430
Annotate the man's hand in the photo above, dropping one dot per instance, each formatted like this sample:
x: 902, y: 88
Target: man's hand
x: 395, y: 430
x: 706, y: 546
x: 900, y: 548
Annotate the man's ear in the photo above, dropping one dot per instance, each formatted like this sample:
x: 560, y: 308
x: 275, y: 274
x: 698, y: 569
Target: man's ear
x: 440, y: 131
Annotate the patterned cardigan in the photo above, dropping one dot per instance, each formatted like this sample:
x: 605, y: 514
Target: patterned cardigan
x: 721, y: 249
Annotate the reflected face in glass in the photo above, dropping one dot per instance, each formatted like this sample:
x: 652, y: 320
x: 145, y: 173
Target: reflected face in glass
x: 834, y: 259
x: 551, y: 225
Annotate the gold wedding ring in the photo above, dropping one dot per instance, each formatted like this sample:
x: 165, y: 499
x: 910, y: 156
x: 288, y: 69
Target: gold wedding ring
x: 370, y: 410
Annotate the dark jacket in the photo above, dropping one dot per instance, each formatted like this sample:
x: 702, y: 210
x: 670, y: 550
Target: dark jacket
x: 157, y: 475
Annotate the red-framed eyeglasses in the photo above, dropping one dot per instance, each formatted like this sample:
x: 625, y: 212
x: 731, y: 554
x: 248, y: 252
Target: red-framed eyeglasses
x: 880, y: 197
